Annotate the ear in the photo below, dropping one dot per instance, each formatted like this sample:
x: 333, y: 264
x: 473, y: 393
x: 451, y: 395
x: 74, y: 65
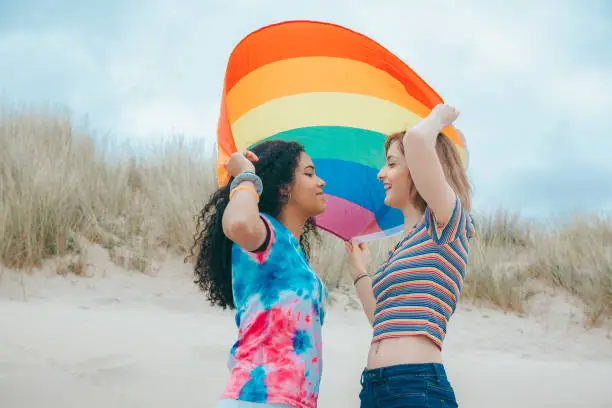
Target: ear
x: 285, y: 194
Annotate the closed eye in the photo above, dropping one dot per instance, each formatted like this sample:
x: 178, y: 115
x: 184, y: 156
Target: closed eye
x: 309, y: 171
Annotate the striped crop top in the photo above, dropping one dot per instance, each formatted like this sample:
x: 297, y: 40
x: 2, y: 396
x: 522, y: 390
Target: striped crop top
x: 418, y: 287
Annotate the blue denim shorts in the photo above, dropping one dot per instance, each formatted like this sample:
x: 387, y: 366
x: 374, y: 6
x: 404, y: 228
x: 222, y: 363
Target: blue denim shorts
x: 407, y: 385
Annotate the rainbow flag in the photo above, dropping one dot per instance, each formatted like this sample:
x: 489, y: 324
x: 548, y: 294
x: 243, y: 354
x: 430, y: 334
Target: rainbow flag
x: 337, y: 92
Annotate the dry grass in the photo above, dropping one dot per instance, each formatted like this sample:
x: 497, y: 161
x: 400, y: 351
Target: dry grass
x: 58, y: 186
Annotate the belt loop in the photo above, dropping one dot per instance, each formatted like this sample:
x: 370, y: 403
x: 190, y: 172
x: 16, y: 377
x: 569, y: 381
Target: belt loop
x: 438, y: 371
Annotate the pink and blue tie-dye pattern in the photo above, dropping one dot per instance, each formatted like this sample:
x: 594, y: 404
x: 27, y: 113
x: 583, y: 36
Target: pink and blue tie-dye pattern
x: 279, y: 313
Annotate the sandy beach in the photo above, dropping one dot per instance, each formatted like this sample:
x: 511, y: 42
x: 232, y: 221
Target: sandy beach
x: 125, y: 339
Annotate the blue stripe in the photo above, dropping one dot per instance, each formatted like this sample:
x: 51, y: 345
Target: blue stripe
x: 358, y: 184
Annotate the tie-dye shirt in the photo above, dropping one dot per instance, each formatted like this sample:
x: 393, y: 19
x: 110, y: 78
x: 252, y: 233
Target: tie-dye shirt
x: 279, y: 313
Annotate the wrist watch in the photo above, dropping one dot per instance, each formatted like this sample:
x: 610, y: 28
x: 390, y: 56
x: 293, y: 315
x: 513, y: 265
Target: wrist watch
x: 248, y: 176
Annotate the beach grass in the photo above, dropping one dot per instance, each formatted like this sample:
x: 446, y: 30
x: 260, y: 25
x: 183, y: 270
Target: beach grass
x: 60, y: 187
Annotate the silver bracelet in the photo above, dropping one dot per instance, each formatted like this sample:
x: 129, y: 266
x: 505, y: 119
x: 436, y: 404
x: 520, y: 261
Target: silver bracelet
x: 248, y: 176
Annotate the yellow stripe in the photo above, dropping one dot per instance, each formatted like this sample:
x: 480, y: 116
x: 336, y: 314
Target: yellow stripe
x: 317, y: 74
x: 323, y: 109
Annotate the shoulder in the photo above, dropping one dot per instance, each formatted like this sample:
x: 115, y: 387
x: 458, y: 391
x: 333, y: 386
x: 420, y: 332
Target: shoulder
x: 261, y: 254
x: 460, y: 225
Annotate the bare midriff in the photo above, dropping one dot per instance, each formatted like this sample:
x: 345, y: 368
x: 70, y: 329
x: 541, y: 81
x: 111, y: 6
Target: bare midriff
x: 414, y: 349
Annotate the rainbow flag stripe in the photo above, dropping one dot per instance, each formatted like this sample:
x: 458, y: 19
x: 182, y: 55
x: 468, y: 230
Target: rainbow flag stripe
x: 337, y: 92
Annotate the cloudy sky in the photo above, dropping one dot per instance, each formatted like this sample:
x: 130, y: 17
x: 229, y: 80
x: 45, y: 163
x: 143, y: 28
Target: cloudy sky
x: 533, y: 79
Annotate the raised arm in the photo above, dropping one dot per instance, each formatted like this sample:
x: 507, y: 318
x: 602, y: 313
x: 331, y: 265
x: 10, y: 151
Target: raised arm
x: 242, y: 223
x: 424, y: 164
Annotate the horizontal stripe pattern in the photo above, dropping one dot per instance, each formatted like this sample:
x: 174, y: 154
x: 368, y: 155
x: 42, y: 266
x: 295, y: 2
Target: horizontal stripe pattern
x: 317, y: 74
x: 323, y: 109
x: 418, y: 288
x: 322, y: 74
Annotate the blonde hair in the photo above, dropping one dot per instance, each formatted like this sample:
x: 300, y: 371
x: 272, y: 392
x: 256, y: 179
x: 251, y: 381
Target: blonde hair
x: 454, y: 171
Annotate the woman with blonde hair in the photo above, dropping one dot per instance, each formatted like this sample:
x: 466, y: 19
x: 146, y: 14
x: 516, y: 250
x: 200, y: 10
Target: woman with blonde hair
x: 413, y: 294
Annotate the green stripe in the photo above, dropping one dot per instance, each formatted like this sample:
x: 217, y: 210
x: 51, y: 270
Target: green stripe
x: 335, y: 142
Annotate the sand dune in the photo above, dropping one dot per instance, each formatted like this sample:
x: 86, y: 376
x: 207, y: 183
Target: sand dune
x: 124, y: 339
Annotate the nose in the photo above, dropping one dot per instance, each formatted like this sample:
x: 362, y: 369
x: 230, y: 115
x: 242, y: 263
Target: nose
x: 381, y: 174
x: 321, y: 182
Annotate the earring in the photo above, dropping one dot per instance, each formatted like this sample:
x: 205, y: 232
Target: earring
x: 286, y: 197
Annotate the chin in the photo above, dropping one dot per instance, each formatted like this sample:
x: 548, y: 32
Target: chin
x: 389, y: 202
x: 320, y: 210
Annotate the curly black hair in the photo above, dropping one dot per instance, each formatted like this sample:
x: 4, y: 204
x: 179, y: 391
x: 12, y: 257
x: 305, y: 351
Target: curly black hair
x: 276, y: 167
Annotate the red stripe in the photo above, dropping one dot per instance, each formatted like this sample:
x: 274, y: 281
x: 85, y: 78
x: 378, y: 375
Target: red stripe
x: 303, y: 38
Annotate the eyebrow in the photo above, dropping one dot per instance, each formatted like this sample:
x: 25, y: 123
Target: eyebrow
x: 310, y: 166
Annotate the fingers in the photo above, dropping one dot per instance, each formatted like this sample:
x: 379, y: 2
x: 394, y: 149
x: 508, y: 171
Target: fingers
x: 250, y: 156
x: 348, y: 246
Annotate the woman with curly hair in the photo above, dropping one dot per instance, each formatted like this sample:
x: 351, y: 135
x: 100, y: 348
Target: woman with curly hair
x: 253, y: 236
x: 413, y: 294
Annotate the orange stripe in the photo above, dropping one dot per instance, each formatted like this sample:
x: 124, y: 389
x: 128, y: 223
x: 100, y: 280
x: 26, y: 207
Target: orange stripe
x: 225, y: 142
x: 292, y: 39
x: 317, y: 74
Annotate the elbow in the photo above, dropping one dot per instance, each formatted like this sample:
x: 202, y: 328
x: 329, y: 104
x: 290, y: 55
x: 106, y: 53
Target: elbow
x: 244, y: 232
x: 415, y: 143
x: 238, y: 227
x: 414, y: 137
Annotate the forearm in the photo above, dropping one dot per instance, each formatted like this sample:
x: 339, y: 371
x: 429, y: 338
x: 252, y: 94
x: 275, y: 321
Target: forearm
x: 423, y: 134
x: 365, y: 294
x: 243, y: 208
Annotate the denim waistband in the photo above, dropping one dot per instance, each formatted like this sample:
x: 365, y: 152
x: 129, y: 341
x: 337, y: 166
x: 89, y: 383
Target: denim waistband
x: 435, y: 370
